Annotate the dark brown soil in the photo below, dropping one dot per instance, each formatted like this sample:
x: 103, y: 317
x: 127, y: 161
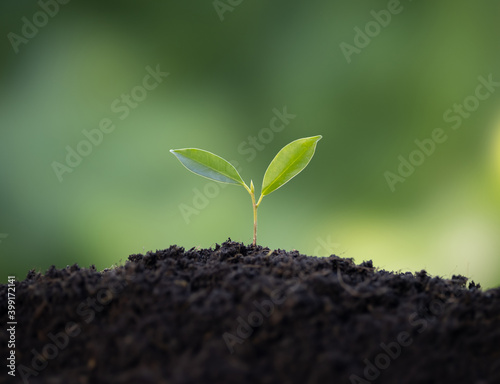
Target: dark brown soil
x: 238, y: 314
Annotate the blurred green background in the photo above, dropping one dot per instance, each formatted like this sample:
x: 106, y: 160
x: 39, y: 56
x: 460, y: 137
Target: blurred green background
x: 229, y: 67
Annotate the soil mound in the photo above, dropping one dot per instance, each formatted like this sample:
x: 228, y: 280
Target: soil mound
x: 243, y: 314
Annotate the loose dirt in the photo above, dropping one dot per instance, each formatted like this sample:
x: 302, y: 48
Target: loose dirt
x: 239, y: 314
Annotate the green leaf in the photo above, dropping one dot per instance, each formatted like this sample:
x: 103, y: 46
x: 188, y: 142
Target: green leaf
x: 208, y: 165
x: 288, y: 163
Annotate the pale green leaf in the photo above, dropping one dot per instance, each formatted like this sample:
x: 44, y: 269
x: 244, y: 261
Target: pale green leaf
x: 208, y: 165
x: 288, y: 163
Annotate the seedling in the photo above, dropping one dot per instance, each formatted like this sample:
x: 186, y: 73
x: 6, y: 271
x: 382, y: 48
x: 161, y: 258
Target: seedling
x: 287, y: 164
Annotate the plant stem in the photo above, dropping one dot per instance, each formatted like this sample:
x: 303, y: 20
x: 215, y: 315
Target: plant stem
x: 255, y: 205
x: 254, y: 220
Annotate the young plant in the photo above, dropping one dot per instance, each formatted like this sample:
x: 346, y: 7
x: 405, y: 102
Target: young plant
x: 288, y: 163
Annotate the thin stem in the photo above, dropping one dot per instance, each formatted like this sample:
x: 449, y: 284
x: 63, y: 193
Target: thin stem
x: 254, y: 220
x: 255, y: 205
x: 260, y: 200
